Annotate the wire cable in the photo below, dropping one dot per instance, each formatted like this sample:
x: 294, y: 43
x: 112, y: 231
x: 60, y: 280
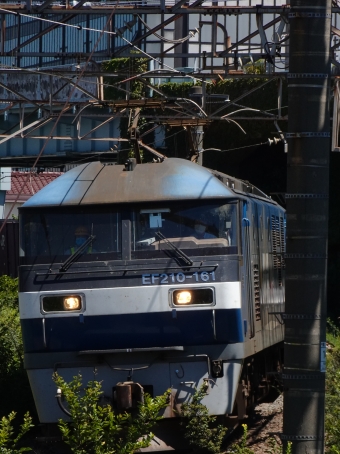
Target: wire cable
x: 78, y: 27
x: 55, y: 125
x: 170, y: 41
x: 239, y: 148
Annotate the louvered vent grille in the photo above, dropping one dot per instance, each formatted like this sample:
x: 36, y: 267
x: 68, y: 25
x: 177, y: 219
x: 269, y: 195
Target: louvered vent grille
x: 257, y: 297
x: 283, y: 243
x: 275, y: 241
x: 278, y: 244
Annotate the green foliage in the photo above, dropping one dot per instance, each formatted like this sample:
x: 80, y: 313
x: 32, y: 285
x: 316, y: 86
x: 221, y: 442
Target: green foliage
x: 333, y: 334
x: 97, y: 429
x: 176, y: 90
x: 276, y: 448
x: 14, y: 387
x: 224, y: 134
x: 241, y: 448
x: 256, y: 93
x: 259, y: 67
x: 289, y: 447
x: 200, y: 428
x: 332, y: 414
x: 115, y: 87
x: 125, y: 84
x: 8, y: 441
x: 8, y: 292
x: 11, y: 349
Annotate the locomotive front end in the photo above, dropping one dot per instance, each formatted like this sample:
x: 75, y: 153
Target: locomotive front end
x: 134, y: 278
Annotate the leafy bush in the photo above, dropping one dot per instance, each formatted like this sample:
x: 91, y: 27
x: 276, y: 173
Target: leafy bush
x: 11, y: 349
x: 241, y: 448
x: 96, y: 429
x: 8, y: 441
x: 200, y: 428
x: 129, y: 67
x: 276, y: 448
x: 15, y: 391
x: 332, y: 414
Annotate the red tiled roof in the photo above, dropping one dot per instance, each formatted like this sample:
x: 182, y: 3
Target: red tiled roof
x: 34, y: 183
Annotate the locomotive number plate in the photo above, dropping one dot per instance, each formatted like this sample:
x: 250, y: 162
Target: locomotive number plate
x: 172, y: 278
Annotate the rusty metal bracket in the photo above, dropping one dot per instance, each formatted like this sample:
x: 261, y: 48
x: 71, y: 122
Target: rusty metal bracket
x: 128, y: 394
x: 134, y: 133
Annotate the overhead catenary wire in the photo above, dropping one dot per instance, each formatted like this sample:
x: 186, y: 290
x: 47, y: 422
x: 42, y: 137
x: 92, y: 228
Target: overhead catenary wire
x: 43, y: 19
x: 159, y: 61
x: 118, y: 87
x: 118, y: 83
x: 166, y: 40
x: 103, y: 31
x: 79, y: 27
x: 54, y: 126
x: 238, y: 148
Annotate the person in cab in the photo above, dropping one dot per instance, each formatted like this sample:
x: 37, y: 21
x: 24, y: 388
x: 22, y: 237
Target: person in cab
x: 201, y: 229
x: 81, y: 234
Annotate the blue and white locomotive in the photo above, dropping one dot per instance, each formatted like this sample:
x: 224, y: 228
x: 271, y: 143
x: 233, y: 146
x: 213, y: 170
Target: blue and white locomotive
x: 163, y: 274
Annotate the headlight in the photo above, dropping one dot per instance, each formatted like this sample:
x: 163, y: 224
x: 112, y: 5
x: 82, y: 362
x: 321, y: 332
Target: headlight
x: 72, y: 303
x: 183, y: 297
x: 62, y: 303
x: 188, y: 297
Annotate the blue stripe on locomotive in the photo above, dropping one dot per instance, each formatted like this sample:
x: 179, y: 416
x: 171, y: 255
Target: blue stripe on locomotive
x: 133, y: 331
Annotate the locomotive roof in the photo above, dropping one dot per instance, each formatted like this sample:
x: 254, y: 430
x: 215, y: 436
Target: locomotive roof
x: 172, y: 179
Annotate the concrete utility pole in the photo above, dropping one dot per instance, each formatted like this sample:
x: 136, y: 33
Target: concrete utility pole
x: 307, y: 225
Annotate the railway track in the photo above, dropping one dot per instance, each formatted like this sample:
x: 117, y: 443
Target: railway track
x: 263, y: 424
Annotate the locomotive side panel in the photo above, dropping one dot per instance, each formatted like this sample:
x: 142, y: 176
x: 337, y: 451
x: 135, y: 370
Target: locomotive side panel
x: 265, y: 224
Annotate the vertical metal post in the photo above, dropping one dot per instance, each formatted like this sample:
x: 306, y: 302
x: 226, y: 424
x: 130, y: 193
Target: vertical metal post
x: 198, y: 94
x: 181, y: 29
x: 63, y: 45
x: 307, y: 225
x: 18, y: 40
x: 109, y: 37
x: 213, y: 37
x: 88, y: 42
x: 3, y: 34
x: 40, y: 41
x: 21, y: 117
x: 112, y: 37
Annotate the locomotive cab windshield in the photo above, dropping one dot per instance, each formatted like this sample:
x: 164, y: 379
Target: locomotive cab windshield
x: 52, y: 235
x: 198, y: 230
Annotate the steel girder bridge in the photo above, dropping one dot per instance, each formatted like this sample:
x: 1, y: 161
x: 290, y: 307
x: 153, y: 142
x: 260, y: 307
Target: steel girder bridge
x: 52, y: 83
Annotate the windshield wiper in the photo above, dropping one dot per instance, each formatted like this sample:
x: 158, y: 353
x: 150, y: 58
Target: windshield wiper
x: 180, y: 253
x: 74, y: 257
